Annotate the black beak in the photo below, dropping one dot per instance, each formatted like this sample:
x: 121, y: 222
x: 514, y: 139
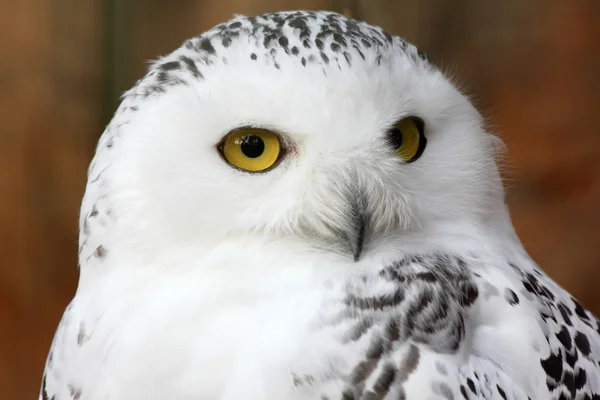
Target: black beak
x: 358, y: 223
x: 357, y: 246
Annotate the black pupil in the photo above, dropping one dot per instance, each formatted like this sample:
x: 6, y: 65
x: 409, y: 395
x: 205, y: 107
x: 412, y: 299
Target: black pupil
x: 252, y: 146
x: 394, y: 138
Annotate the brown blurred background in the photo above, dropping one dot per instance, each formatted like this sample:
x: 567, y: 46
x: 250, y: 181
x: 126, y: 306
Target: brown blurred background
x: 531, y: 66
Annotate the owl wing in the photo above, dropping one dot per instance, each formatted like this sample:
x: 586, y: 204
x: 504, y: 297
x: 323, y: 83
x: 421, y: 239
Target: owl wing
x: 572, y: 334
x: 441, y: 326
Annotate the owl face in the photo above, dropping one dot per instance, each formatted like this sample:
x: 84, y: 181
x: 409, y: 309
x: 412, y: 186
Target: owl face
x: 267, y: 144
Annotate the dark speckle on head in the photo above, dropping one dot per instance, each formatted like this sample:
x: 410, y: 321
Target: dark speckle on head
x: 283, y: 41
x: 348, y: 58
x: 191, y: 66
x: 207, y: 46
x: 360, y: 53
x: 170, y: 66
x: 320, y: 44
x: 162, y: 77
x: 322, y: 36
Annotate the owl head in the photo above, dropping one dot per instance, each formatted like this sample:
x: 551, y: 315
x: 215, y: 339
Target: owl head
x: 301, y: 126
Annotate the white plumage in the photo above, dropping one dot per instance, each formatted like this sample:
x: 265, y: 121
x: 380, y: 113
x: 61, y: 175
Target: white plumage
x: 353, y: 267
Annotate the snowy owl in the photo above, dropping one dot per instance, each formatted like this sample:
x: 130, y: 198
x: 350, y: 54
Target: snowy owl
x: 301, y: 206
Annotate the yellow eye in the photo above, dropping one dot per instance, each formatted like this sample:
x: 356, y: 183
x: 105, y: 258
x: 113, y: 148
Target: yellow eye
x: 251, y: 149
x: 407, y: 139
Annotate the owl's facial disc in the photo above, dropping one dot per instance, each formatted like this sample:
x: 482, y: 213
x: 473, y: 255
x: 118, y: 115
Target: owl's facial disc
x: 347, y: 219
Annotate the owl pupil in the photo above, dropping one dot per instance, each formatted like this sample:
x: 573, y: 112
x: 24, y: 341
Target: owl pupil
x: 252, y: 146
x: 394, y: 138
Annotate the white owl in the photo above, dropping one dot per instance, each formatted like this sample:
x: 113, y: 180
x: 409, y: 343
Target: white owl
x: 300, y: 206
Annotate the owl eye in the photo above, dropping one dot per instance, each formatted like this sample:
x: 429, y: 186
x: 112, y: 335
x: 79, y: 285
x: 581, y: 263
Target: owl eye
x: 406, y: 137
x: 251, y: 149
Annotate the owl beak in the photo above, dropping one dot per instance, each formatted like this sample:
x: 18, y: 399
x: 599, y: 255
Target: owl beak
x: 358, y: 223
x: 357, y: 243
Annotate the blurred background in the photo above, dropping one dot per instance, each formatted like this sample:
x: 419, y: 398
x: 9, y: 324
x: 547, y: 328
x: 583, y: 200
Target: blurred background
x: 532, y: 67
